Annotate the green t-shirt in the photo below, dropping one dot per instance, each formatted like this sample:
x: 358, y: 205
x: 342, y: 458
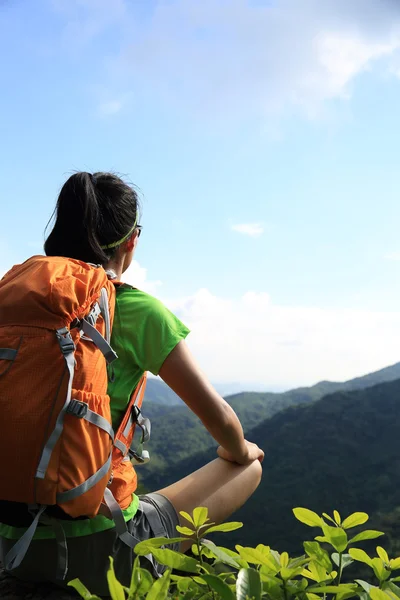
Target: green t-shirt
x: 144, y: 333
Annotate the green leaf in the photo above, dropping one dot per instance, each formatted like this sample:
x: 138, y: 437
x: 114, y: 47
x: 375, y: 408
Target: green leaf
x: 248, y: 585
x: 391, y: 587
x: 186, y: 516
x: 377, y: 594
x: 308, y: 517
x: 346, y: 559
x: 219, y: 554
x: 316, y: 572
x: 236, y: 557
x: 314, y: 551
x: 175, y: 560
x: 204, y: 551
x: 253, y: 556
x: 185, y: 530
x: 395, y: 563
x: 360, y: 556
x: 338, y: 520
x: 379, y: 569
x: 200, y: 516
x: 337, y: 537
x: 82, y: 590
x: 321, y: 538
x: 271, y: 585
x: 288, y: 573
x: 364, y: 584
x: 232, y: 526
x: 219, y: 586
x: 145, y: 547
x: 284, y: 559
x: 263, y: 549
x: 159, y: 589
x: 357, y: 518
x: 335, y: 589
x: 381, y: 552
x: 141, y: 582
x: 368, y: 534
x: 329, y: 518
x: 184, y: 583
x: 116, y: 589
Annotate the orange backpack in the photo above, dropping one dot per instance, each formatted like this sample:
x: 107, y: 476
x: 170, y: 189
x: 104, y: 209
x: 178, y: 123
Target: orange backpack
x: 57, y: 443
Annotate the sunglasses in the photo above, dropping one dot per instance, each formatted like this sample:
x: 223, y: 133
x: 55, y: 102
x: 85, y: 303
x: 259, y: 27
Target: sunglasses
x: 139, y: 230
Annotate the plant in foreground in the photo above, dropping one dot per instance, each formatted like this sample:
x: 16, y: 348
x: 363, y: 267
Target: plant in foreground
x: 218, y: 573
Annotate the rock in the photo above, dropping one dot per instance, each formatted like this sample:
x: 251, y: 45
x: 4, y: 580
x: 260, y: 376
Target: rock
x: 13, y: 589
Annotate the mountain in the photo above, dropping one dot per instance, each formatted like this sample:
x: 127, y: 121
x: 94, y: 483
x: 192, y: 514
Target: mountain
x: 178, y: 434
x: 158, y: 392
x: 340, y: 452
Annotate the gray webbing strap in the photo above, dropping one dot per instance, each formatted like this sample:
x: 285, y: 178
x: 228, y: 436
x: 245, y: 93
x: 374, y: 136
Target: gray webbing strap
x: 100, y: 422
x: 62, y: 547
x: 153, y: 516
x: 105, y: 311
x: 17, y: 553
x: 145, y: 426
x: 100, y: 342
x: 86, y: 485
x: 82, y: 411
x: 118, y: 518
x: 67, y: 348
x: 128, y: 426
x: 7, y: 354
x: 121, y: 446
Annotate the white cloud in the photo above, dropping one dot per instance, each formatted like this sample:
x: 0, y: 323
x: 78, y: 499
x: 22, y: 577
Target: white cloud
x: 252, y: 339
x: 112, y: 107
x: 86, y: 20
x: 236, y: 56
x: 251, y: 229
x: 392, y: 256
x: 137, y: 276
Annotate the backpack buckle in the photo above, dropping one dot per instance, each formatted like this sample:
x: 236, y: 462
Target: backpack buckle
x: 65, y: 340
x: 77, y: 408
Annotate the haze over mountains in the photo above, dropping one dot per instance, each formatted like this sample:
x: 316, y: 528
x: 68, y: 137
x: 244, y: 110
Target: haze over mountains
x: 330, y: 446
x: 157, y: 391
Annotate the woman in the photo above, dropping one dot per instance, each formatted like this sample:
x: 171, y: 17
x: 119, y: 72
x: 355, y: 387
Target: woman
x: 96, y: 221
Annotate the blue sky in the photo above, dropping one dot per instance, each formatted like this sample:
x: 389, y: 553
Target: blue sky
x: 264, y: 138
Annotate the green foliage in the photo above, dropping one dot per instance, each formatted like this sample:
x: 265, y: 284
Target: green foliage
x: 216, y: 573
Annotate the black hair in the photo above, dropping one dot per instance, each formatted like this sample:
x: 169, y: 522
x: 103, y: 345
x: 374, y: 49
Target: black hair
x: 92, y: 211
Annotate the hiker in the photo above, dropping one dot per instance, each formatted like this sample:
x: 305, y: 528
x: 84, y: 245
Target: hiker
x: 55, y: 432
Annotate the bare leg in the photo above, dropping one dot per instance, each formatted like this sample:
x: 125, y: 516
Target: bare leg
x: 222, y: 486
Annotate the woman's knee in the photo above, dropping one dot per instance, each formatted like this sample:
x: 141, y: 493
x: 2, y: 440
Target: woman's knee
x: 256, y: 473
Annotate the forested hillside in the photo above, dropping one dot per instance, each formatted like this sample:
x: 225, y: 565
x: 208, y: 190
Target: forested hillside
x: 177, y: 433
x: 340, y: 452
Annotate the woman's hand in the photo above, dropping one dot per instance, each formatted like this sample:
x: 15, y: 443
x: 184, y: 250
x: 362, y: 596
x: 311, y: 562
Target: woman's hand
x: 253, y: 452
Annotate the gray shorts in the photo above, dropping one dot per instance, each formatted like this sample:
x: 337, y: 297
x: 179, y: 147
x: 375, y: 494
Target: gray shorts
x: 88, y: 556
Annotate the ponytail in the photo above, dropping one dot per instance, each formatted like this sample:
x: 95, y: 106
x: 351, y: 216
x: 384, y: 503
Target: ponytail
x: 91, y: 211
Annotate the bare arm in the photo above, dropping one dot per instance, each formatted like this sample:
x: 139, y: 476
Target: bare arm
x: 182, y: 374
